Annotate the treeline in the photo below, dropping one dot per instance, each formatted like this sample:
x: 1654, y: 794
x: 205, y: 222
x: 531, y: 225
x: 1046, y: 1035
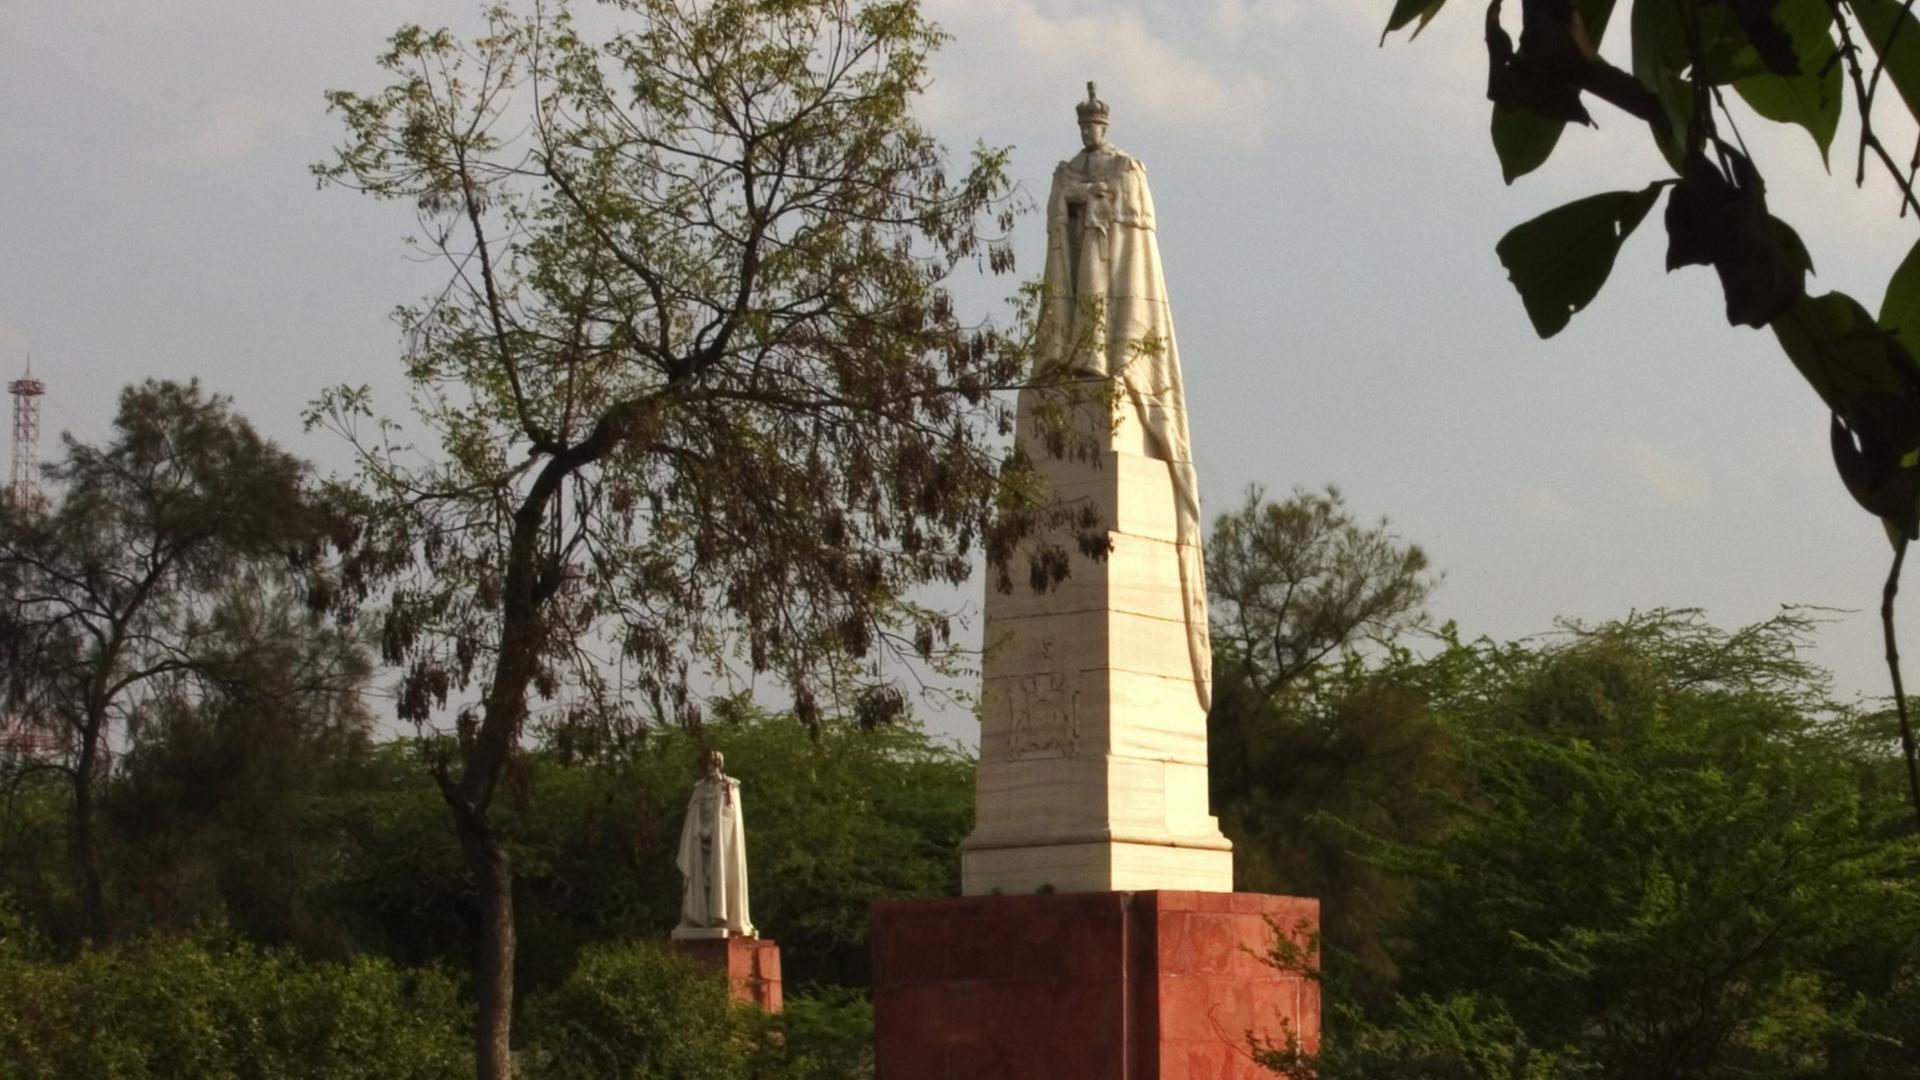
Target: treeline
x: 351, y: 856
x: 321, y: 925
x: 212, y: 864
x: 1646, y: 849
x: 317, y: 921
x: 1650, y: 849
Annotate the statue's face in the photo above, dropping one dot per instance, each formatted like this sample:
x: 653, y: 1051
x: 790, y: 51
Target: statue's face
x: 1093, y: 134
x: 715, y: 763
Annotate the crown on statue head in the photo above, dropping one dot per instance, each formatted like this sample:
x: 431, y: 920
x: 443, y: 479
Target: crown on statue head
x: 1092, y: 110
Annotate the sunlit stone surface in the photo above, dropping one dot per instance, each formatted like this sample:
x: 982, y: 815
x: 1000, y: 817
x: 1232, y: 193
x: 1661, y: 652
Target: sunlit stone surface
x: 1093, y: 749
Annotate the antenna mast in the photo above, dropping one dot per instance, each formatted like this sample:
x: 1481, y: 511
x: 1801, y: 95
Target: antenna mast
x: 21, y: 742
x: 24, y: 491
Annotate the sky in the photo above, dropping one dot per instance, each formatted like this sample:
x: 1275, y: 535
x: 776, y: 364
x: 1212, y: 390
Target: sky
x: 1328, y: 208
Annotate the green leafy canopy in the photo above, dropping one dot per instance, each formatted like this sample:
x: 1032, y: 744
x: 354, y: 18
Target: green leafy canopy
x: 1790, y: 62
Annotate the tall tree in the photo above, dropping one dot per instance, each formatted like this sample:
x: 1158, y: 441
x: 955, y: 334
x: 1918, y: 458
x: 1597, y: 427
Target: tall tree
x: 1308, y: 742
x: 1297, y: 582
x: 110, y: 589
x: 693, y: 380
x: 210, y: 815
x: 1316, y: 777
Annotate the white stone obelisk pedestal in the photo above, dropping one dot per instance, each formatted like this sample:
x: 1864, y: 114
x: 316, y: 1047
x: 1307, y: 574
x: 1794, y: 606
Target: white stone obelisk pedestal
x: 1093, y: 741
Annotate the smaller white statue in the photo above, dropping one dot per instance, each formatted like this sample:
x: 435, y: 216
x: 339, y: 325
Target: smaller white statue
x: 713, y: 858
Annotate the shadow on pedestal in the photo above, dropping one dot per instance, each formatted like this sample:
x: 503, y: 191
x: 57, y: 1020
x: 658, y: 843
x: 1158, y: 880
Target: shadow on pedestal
x: 1089, y: 986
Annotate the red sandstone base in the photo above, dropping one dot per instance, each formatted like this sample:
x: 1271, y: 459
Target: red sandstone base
x: 1087, y: 986
x: 751, y: 965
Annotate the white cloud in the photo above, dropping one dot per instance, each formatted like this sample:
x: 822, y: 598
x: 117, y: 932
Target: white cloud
x: 1676, y: 483
x: 228, y: 130
x: 1013, y: 53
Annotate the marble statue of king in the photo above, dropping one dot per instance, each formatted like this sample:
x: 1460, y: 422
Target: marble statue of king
x: 712, y: 858
x: 1093, y: 745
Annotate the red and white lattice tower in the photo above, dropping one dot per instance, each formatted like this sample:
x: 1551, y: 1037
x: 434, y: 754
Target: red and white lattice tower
x: 21, y: 741
x: 24, y: 491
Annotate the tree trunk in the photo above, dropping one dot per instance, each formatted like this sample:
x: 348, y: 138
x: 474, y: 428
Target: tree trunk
x: 86, y: 859
x: 493, y: 744
x: 485, y: 757
x: 493, y: 971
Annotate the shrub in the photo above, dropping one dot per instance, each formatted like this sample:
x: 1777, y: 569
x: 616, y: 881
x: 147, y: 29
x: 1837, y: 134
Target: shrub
x: 828, y: 1036
x: 634, y: 1011
x: 154, y: 1009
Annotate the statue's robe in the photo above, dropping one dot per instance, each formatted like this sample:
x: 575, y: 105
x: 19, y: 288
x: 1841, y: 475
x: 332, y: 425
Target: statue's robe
x: 1105, y: 312
x: 713, y: 859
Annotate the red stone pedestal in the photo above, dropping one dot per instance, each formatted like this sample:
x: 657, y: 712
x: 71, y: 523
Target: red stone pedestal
x: 751, y: 965
x: 1086, y: 986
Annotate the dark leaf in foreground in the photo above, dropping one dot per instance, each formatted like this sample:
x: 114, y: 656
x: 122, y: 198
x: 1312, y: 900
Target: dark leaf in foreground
x: 1560, y: 259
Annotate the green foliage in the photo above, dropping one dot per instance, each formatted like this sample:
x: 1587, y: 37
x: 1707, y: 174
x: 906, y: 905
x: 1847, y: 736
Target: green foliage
x: 184, y: 470
x: 640, y: 1011
x: 1406, y: 11
x: 1814, y: 98
x: 835, y: 823
x: 634, y: 1012
x: 697, y: 333
x: 1306, y: 743
x: 146, y: 589
x: 836, y: 819
x: 1893, y: 33
x: 1560, y: 259
x: 163, y: 1009
x: 696, y: 383
x: 1297, y: 582
x: 1659, y: 57
x: 353, y: 857
x: 1900, y: 310
x: 1524, y: 139
x: 1671, y: 857
x: 1460, y: 1038
x: 1304, y: 783
x: 210, y: 812
x: 1791, y: 62
x: 388, y: 879
x: 1842, y: 352
x: 36, y: 879
x: 818, y: 1037
x: 1863, y: 372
